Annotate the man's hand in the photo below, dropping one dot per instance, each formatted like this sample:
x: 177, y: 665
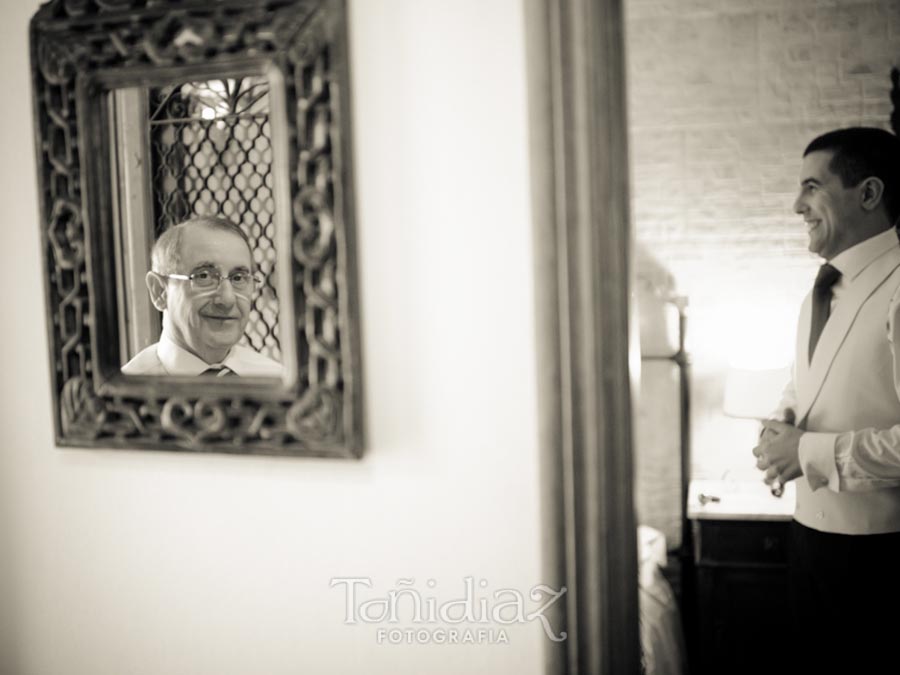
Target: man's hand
x: 778, y: 452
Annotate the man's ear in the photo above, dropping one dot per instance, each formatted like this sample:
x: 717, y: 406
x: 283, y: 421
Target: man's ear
x: 872, y: 191
x: 157, y: 287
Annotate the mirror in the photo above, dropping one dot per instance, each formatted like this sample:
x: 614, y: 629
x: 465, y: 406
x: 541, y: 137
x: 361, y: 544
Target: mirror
x: 189, y: 150
x: 150, y: 116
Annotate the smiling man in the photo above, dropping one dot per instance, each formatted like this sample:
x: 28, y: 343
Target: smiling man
x: 837, y: 430
x: 202, y: 280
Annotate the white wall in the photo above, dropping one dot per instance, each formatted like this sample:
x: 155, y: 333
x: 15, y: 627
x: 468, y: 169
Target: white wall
x: 159, y: 563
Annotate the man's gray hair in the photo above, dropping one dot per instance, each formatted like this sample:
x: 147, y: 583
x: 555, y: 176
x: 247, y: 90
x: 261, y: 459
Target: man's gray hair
x: 166, y: 253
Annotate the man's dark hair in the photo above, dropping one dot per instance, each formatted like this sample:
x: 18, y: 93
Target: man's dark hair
x: 864, y: 152
x: 166, y: 252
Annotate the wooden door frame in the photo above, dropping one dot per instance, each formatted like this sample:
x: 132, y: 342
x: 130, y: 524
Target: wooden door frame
x: 582, y: 240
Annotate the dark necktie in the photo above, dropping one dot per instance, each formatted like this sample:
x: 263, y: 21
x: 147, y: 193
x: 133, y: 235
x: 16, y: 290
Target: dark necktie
x: 821, y: 303
x: 219, y: 371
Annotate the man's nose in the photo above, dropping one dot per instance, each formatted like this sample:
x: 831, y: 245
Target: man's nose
x: 799, y: 204
x: 225, y: 292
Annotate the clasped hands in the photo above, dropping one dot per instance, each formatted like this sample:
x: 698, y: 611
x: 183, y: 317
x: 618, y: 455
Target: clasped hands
x: 778, y: 451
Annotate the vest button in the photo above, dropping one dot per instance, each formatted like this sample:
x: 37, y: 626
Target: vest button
x: 820, y: 515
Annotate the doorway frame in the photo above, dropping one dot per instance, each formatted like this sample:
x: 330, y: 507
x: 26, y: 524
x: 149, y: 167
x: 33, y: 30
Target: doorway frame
x: 583, y: 246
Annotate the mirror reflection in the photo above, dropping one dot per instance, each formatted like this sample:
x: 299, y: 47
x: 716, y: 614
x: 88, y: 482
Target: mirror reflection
x: 196, y: 241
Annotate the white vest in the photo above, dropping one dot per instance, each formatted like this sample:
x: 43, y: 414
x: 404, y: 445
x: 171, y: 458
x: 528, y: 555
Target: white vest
x: 850, y: 386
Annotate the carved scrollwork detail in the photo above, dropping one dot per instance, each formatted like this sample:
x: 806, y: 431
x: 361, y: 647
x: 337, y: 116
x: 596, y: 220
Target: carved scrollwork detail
x: 193, y: 421
x: 83, y: 415
x: 55, y: 62
x: 322, y: 292
x: 180, y: 39
x: 210, y: 416
x: 124, y: 420
x: 316, y: 415
x: 176, y: 414
x: 314, y: 239
x: 66, y: 234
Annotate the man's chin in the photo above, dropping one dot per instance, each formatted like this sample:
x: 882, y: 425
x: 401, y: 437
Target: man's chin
x: 224, y: 338
x: 815, y: 247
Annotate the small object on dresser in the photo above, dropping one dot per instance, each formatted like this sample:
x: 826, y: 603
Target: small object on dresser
x: 777, y: 488
x: 705, y: 499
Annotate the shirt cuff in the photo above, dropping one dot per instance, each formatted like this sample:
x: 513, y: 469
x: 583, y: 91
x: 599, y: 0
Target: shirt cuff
x: 817, y: 462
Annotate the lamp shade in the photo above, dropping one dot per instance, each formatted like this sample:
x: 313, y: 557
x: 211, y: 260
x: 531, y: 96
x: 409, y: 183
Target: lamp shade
x: 754, y: 394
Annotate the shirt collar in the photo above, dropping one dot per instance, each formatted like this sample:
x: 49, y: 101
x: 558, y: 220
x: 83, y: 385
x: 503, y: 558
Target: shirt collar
x: 179, y: 361
x: 856, y: 258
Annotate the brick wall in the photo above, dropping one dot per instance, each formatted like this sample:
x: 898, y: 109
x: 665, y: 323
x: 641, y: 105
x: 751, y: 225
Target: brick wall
x: 723, y: 97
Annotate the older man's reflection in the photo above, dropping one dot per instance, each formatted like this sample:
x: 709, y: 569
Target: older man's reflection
x: 202, y: 280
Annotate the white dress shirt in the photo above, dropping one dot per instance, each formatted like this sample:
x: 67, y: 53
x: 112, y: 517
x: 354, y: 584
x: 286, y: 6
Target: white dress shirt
x: 167, y: 358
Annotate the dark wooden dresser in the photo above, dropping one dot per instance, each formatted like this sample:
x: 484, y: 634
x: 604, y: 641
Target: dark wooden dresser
x: 740, y: 545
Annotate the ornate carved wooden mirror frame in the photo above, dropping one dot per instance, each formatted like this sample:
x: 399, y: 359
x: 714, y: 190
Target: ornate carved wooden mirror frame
x: 82, y: 50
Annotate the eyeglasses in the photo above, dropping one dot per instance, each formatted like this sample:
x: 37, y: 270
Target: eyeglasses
x: 209, y: 279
